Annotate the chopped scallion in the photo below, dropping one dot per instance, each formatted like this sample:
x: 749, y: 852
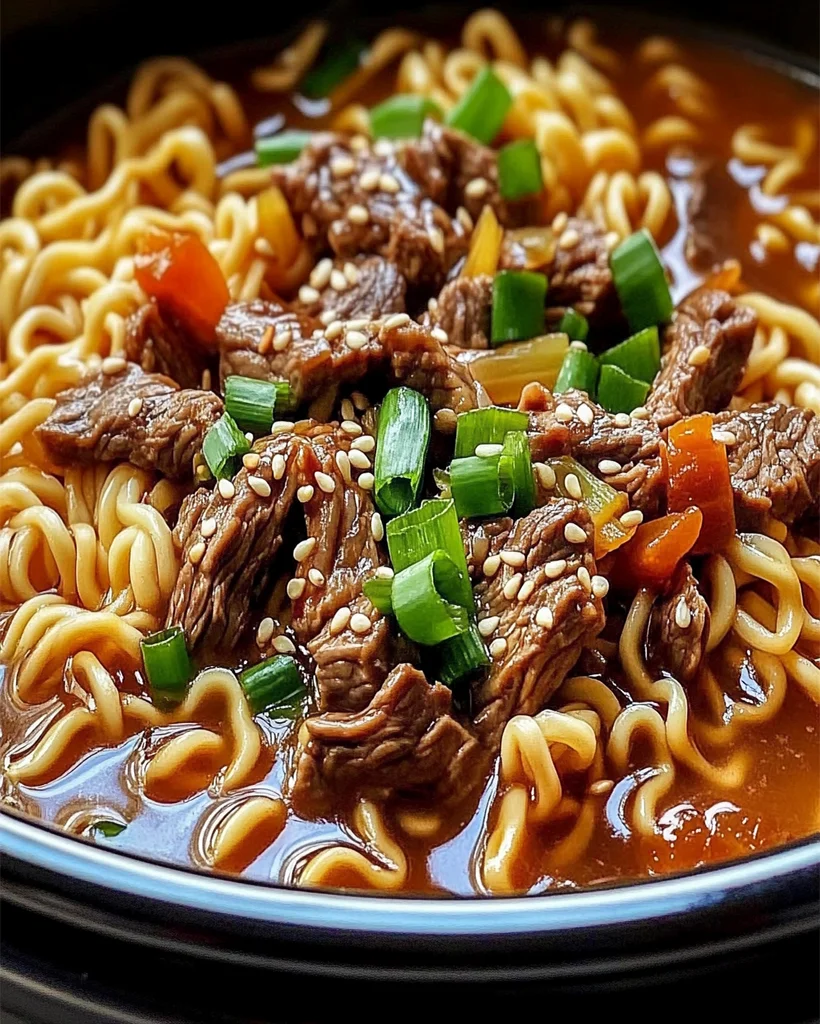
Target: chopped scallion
x: 482, y: 485
x: 640, y: 280
x: 578, y: 370
x: 481, y: 110
x: 282, y: 148
x: 107, y: 829
x: 167, y: 665
x: 639, y: 356
x: 574, y: 325
x: 402, y: 116
x: 401, y: 451
x: 379, y: 593
x: 517, y: 449
x: 255, y: 404
x: 433, y: 525
x: 462, y: 656
x: 518, y: 305
x: 341, y: 61
x: 618, y: 392
x: 223, y: 447
x: 519, y: 169
x: 425, y: 600
x: 486, y: 426
x: 273, y: 684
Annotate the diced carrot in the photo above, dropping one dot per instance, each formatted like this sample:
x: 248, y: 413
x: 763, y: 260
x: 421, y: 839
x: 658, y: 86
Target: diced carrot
x: 178, y: 271
x: 650, y: 557
x: 698, y: 474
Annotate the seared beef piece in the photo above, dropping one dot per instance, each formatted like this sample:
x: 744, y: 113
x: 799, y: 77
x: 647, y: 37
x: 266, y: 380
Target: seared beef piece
x: 463, y: 310
x: 636, y: 447
x: 710, y: 238
x: 774, y: 462
x: 336, y: 194
x: 190, y: 512
x: 712, y: 319
x: 579, y: 276
x: 537, y: 658
x: 478, y: 537
x: 404, y: 740
x: 92, y: 422
x: 679, y: 627
x: 378, y: 290
x: 160, y: 345
x: 419, y: 361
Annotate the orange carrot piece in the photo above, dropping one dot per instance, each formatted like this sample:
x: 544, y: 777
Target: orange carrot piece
x: 650, y: 557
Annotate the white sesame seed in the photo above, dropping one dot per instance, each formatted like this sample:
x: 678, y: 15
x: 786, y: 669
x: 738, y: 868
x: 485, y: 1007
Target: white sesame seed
x: 573, y: 486
x: 563, y: 412
x: 600, y: 586
x: 359, y: 400
x: 586, y: 415
x: 578, y: 346
x: 574, y: 533
x: 369, y: 180
x: 464, y: 219
x: 16, y: 449
x: 355, y: 340
x: 358, y: 214
x: 278, y: 466
x: 333, y: 330
x: 383, y: 147
x: 249, y: 437
x: 281, y: 426
x: 724, y: 437
x: 640, y: 412
x: 498, y: 648
x: 284, y: 645
x: 196, y: 553
x: 526, y: 591
x: 683, y: 616
x: 546, y: 475
x: 632, y: 518
x: 486, y: 450
x: 476, y: 188
x: 342, y: 166
x: 318, y: 333
x: 377, y: 527
x: 325, y: 482
x: 396, y: 320
x: 351, y: 272
x: 512, y: 585
x: 226, y: 489
x: 366, y: 481
x: 282, y: 340
x: 611, y: 239
x: 265, y: 631
x: 621, y: 419
x: 343, y: 462
x: 304, y: 493
x: 308, y: 294
x: 338, y: 281
x: 544, y: 618
x: 436, y: 236
x: 491, y: 564
x: 584, y: 578
x: 207, y: 527
x: 609, y: 466
x: 134, y: 407
x: 513, y: 558
x: 351, y: 427
x: 387, y: 183
x: 340, y: 620
x: 327, y: 317
x: 440, y: 335
x: 360, y: 623
x: 559, y: 222
x: 488, y: 625
x: 320, y: 275
x: 553, y: 569
x: 699, y: 356
x: 295, y: 588
x: 601, y: 787
x: 568, y: 239
x: 366, y: 443
x: 384, y: 572
x: 316, y: 577
x: 358, y: 459
x: 304, y: 548
x: 259, y: 485
x: 432, y: 306
x: 113, y: 364
x: 347, y: 410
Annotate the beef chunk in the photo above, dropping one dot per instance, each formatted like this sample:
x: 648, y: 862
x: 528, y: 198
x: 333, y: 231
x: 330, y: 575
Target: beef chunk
x: 160, y: 345
x: 131, y: 415
x: 679, y: 627
x: 579, y: 276
x: 463, y: 311
x: 190, y: 512
x: 538, y: 654
x: 362, y: 289
x: 709, y: 319
x: 362, y: 200
x: 420, y: 361
x: 404, y: 740
x: 774, y: 462
x: 635, y: 445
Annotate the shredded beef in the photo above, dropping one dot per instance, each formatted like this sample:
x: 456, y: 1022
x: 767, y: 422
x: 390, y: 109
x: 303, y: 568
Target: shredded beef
x: 463, y: 311
x: 92, y: 422
x: 774, y: 462
x: 373, y: 288
x: 579, y: 276
x: 159, y: 344
x: 712, y: 319
x: 679, y: 627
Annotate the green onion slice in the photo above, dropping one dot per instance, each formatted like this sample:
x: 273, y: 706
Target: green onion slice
x: 401, y: 450
x: 618, y: 392
x: 426, y: 600
x: 517, y: 449
x: 340, y: 62
x: 578, y: 370
x: 106, y: 828
x: 461, y: 657
x: 519, y: 169
x: 574, y: 324
x: 481, y: 110
x: 273, y: 684
x: 223, y: 447
x: 639, y: 356
x: 379, y: 592
x: 486, y: 426
x: 430, y: 527
x: 482, y: 485
x: 255, y: 404
x: 641, y: 281
x: 518, y: 305
x: 167, y: 666
x: 282, y: 148
x: 402, y: 116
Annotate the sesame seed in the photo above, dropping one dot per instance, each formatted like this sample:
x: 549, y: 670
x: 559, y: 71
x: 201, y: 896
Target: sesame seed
x: 358, y: 459
x: 436, y: 236
x: 366, y: 481
x: 526, y: 591
x: 578, y: 346
x: 488, y: 625
x: 351, y: 427
x: 387, y: 183
x: 621, y: 419
x: 343, y: 462
x: 249, y: 437
x: 377, y: 527
x: 544, y: 618
x: 284, y: 645
x: 464, y: 219
x: 476, y: 188
x: 342, y: 166
x: 512, y: 585
x: 359, y: 400
x: 338, y: 281
x: 357, y: 214
x: 259, y: 485
x: 445, y: 421
x: 559, y: 222
x: 318, y: 333
x: 574, y: 534
x: 699, y: 356
x: 584, y: 578
x: 553, y: 569
x: 281, y: 426
x: 226, y: 489
x: 327, y: 317
x: 278, y: 466
x: 611, y: 239
x: 563, y: 412
x: 568, y: 239
x: 683, y: 617
x: 573, y: 486
x: 640, y: 412
x: 546, y: 475
x: 308, y: 294
x: 326, y: 483
x: 432, y: 306
x: 340, y: 620
x: 513, y: 558
x: 355, y: 340
x: 295, y: 588
x: 134, y: 406
x: 632, y: 518
x: 369, y: 180
x: 348, y: 412
x: 207, y: 527
x: 316, y: 577
x: 113, y: 364
x: 320, y: 275
x: 304, y: 493
x: 282, y: 340
x: 365, y: 443
x: 609, y: 466
x: 304, y: 548
x: 601, y: 787
x: 724, y: 437
x: 196, y: 553
x: 396, y: 320
x: 486, y: 450
x: 265, y: 631
x: 333, y: 330
x: 600, y: 586
x: 491, y: 564
x: 384, y: 572
x: 586, y: 415
x: 360, y: 623
x: 498, y: 648
x: 16, y: 449
x: 440, y: 335
x: 351, y: 272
